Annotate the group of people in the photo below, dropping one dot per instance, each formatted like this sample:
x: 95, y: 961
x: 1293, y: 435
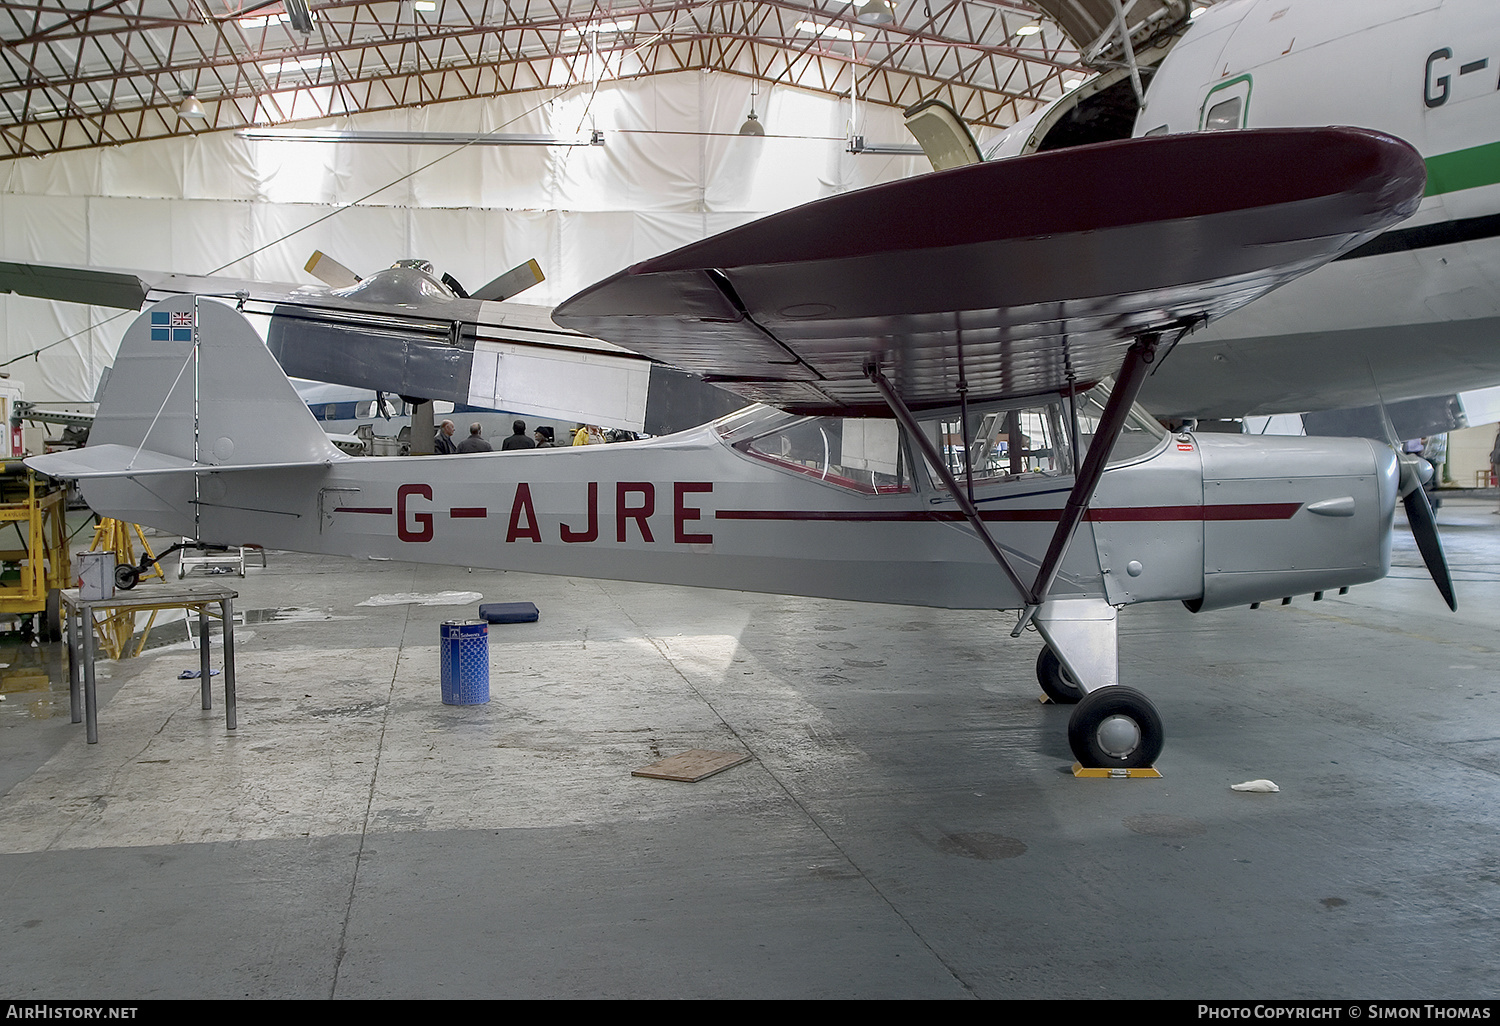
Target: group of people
x: 443, y: 444
x: 541, y: 438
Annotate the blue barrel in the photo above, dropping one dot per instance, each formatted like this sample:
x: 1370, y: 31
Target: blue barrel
x: 465, y: 657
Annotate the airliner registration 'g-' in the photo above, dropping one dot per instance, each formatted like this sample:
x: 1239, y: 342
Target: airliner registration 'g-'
x: 1411, y: 314
x: 948, y: 379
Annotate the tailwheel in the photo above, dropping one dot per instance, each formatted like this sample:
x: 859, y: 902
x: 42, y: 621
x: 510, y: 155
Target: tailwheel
x: 1055, y: 679
x: 127, y: 576
x: 1115, y: 728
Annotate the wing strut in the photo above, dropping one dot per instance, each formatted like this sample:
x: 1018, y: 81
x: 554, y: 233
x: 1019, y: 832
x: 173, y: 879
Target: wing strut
x: 936, y: 461
x: 1128, y: 383
x: 1127, y: 386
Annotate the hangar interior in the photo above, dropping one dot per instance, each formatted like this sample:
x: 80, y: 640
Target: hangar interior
x: 908, y: 824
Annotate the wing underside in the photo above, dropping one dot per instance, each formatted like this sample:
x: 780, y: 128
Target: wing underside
x: 1022, y: 276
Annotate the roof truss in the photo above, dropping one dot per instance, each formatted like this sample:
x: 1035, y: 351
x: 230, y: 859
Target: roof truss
x: 76, y: 74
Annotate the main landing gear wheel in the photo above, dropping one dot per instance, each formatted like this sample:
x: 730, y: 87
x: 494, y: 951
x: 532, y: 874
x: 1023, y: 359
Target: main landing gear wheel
x: 1115, y: 728
x: 1055, y: 679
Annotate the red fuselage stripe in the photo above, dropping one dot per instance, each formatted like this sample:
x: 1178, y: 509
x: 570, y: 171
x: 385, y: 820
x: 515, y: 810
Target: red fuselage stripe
x: 1127, y: 514
x: 1245, y: 511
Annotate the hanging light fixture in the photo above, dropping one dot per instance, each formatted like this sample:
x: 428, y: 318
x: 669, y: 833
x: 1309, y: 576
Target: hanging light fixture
x: 299, y: 14
x: 752, y: 125
x: 876, y: 12
x: 190, y: 107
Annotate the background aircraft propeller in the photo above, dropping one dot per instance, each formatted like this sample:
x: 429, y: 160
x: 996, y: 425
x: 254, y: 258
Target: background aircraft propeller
x: 329, y: 271
x: 512, y: 283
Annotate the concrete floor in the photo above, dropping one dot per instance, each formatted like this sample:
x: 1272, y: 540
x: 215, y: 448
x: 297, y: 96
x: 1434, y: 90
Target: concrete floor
x: 906, y: 828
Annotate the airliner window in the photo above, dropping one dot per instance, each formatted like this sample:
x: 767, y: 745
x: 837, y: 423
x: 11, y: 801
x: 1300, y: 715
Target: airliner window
x: 1022, y: 443
x: 1140, y: 436
x: 1223, y: 117
x: 862, y: 455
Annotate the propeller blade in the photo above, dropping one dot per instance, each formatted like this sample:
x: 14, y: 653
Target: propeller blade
x: 1424, y: 528
x: 452, y: 282
x: 512, y: 283
x: 1419, y: 513
x: 329, y: 271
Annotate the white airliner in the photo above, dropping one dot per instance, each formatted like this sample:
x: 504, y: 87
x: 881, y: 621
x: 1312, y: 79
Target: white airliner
x: 1413, y: 313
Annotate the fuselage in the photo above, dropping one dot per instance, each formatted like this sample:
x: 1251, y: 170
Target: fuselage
x: 1417, y: 311
x: 827, y: 507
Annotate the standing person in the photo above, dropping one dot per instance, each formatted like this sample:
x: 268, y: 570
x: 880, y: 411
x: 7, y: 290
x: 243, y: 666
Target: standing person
x: 543, y: 438
x: 517, y: 439
x: 475, y: 443
x: 1495, y: 460
x: 443, y: 444
x: 581, y: 436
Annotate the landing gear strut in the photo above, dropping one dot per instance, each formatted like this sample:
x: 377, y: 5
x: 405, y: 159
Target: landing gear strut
x: 1112, y: 727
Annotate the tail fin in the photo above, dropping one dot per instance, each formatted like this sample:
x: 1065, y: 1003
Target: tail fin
x: 194, y: 389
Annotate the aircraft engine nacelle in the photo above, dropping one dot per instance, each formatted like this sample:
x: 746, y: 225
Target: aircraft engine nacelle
x: 1289, y: 516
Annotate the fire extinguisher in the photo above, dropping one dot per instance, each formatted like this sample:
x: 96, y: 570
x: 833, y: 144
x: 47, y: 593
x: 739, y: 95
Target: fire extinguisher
x: 15, y: 440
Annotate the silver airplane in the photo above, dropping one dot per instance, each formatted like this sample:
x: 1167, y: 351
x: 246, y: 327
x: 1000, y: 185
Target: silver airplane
x: 948, y: 380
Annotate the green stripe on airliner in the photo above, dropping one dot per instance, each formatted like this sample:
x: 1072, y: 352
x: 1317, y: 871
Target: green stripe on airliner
x: 1463, y: 169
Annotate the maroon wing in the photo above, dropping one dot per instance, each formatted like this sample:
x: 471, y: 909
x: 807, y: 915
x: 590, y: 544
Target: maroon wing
x: 1040, y: 269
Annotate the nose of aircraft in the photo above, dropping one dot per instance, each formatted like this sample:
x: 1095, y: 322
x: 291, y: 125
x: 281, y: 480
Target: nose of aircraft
x: 1288, y: 516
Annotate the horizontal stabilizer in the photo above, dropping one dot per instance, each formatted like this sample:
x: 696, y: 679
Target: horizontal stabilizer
x: 106, y: 461
x: 117, y: 289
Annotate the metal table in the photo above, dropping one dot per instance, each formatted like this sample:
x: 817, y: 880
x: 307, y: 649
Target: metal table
x: 78, y: 619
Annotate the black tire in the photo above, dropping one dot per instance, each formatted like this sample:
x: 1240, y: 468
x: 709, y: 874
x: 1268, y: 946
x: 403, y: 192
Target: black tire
x: 52, y: 616
x: 1101, y: 735
x: 1055, y: 679
x: 126, y: 576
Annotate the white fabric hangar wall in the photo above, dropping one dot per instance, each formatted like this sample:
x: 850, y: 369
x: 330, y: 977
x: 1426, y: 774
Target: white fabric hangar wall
x: 209, y: 204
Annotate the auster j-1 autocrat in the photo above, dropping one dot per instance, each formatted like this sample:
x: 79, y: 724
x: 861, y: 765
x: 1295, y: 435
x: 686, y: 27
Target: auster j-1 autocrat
x: 947, y: 379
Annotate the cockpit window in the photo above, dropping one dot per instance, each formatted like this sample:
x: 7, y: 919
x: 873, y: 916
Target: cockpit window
x: 1226, y: 108
x: 1141, y: 434
x: 1023, y: 441
x: 1033, y: 442
x: 1005, y: 445
x: 1223, y: 117
x: 860, y: 454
